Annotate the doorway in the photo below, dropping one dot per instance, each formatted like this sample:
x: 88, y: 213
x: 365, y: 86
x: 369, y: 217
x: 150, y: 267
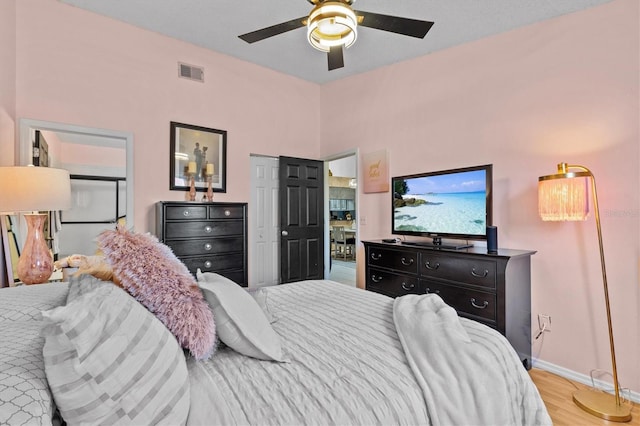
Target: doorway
x: 342, y: 216
x: 264, y: 220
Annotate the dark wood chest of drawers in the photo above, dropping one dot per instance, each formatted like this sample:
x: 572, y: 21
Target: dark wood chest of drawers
x: 494, y: 289
x: 209, y: 236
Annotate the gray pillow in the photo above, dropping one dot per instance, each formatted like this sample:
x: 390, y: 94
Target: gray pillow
x: 83, y: 284
x: 25, y: 302
x: 110, y: 361
x: 240, y: 322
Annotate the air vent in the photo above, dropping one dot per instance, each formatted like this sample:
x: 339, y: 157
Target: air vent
x: 191, y: 72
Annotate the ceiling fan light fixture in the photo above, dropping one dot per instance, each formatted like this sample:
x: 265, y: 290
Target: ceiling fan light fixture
x: 330, y: 24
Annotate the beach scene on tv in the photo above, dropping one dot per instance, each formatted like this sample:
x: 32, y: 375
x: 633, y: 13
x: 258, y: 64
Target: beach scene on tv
x: 448, y: 203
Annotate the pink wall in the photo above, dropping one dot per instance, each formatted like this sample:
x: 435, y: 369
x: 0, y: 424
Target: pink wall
x: 7, y: 81
x: 525, y: 100
x: 106, y: 74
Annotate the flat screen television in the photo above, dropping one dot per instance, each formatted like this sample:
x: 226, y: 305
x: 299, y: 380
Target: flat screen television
x: 452, y: 204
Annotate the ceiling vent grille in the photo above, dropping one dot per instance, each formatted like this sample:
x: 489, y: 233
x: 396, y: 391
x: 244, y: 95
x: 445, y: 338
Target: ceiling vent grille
x: 191, y: 72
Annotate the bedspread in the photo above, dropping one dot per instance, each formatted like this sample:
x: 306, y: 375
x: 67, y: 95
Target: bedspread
x: 347, y: 366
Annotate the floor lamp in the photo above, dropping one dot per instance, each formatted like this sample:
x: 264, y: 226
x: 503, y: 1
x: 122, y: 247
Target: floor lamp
x: 33, y: 189
x: 563, y: 197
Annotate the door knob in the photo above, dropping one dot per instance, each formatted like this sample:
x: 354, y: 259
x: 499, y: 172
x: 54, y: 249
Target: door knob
x: 284, y: 233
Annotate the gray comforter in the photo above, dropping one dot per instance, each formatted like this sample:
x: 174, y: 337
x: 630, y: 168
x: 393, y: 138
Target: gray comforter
x: 347, y: 366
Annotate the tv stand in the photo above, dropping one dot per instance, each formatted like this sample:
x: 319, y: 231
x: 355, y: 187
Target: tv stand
x: 437, y: 244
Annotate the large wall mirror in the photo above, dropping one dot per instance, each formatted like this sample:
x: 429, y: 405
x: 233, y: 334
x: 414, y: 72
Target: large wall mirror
x: 100, y: 163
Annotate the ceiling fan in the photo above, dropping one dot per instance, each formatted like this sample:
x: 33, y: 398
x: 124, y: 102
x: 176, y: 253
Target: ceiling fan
x: 333, y: 24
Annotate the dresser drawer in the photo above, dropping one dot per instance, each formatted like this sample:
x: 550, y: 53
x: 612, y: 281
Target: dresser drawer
x: 468, y: 270
x: 214, y: 263
x: 465, y: 301
x: 391, y: 284
x: 393, y: 259
x: 226, y: 212
x: 197, y: 229
x: 193, y: 247
x: 185, y: 212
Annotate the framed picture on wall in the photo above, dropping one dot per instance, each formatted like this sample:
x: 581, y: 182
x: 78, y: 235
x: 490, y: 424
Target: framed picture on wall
x: 197, y: 152
x: 376, y: 171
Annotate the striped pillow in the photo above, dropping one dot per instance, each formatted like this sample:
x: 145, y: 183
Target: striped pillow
x: 110, y: 361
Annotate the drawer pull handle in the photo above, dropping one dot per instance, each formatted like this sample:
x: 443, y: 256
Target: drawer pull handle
x: 208, y: 246
x: 428, y: 265
x: 376, y: 279
x: 227, y: 212
x: 208, y: 264
x: 186, y: 213
x: 405, y: 263
x: 408, y: 286
x: 208, y: 229
x: 376, y: 256
x: 473, y: 303
x: 434, y: 292
x: 475, y: 274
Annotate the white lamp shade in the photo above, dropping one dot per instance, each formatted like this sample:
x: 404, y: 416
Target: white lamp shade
x: 29, y: 188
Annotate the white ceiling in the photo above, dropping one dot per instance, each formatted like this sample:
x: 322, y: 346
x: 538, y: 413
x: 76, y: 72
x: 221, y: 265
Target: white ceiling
x: 216, y: 24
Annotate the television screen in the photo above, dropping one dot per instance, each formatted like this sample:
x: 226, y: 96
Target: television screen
x: 443, y: 204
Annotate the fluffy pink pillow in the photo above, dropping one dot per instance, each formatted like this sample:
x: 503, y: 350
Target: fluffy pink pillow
x: 152, y: 274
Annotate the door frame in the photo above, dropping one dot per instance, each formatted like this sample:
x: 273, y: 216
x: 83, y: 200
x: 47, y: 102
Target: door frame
x: 327, y: 215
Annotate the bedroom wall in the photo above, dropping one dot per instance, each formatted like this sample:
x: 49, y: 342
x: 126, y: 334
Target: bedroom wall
x: 7, y: 81
x: 525, y: 101
x: 79, y: 68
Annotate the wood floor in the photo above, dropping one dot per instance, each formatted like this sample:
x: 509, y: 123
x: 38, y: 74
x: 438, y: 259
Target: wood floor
x: 557, y: 393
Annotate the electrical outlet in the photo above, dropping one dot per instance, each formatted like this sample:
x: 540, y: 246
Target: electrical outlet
x: 544, y: 322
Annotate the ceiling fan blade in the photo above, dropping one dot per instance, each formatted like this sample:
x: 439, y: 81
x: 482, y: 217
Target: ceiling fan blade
x: 273, y: 30
x: 335, y: 58
x: 395, y: 24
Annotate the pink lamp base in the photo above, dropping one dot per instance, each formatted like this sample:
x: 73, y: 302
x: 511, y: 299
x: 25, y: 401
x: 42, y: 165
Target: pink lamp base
x: 36, y: 263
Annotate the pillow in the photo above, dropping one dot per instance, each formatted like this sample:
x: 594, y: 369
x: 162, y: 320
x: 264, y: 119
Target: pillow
x: 260, y: 296
x: 82, y: 284
x: 25, y: 398
x: 240, y: 322
x: 25, y: 302
x: 108, y: 360
x: 152, y: 274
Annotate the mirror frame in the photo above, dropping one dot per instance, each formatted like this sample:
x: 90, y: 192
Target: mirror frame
x: 28, y: 125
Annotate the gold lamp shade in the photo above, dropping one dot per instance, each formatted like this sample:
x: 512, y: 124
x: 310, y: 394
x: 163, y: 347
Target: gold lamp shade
x: 34, y: 189
x: 563, y: 197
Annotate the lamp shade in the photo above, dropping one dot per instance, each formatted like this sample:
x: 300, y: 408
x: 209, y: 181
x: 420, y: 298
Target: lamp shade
x: 29, y: 188
x: 564, y: 196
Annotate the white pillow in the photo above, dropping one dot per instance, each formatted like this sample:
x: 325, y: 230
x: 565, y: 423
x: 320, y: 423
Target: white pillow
x: 240, y: 322
x: 110, y: 361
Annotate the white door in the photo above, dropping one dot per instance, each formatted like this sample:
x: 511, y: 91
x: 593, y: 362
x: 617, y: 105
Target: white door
x: 264, y: 223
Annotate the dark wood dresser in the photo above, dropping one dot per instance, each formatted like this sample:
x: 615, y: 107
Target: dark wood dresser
x: 494, y: 289
x: 209, y: 236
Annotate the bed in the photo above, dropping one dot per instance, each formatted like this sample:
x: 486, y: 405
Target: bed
x: 346, y: 364
x: 313, y: 352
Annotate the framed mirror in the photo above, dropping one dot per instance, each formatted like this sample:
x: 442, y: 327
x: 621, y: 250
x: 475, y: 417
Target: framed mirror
x: 100, y: 162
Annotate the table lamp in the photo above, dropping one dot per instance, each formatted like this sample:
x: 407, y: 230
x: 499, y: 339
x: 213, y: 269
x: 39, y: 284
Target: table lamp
x: 565, y: 197
x: 33, y: 189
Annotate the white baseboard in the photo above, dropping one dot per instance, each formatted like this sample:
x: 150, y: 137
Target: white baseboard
x: 582, y: 378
